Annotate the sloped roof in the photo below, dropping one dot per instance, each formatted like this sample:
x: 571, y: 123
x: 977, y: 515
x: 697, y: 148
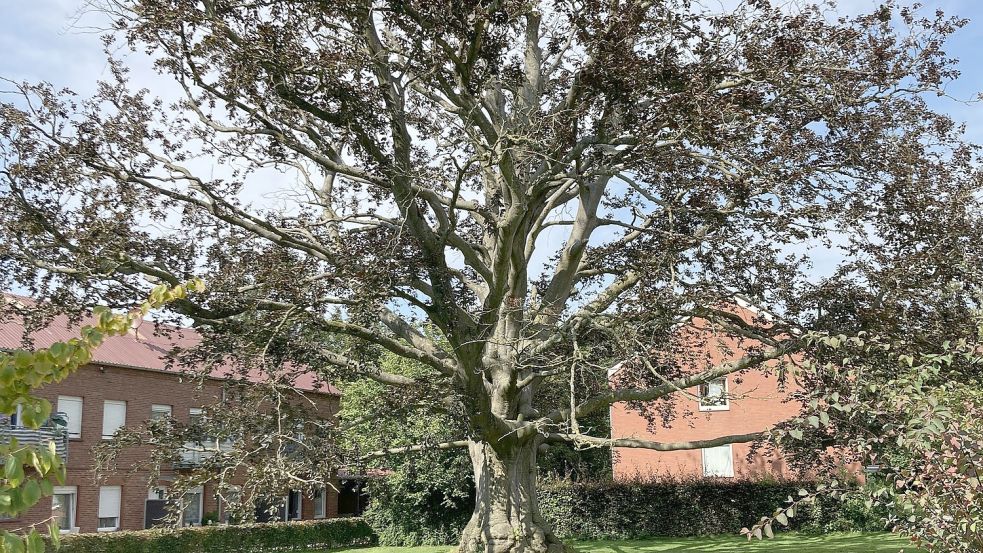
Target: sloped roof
x: 144, y: 347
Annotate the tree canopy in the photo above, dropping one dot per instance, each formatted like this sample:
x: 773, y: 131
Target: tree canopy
x: 515, y: 194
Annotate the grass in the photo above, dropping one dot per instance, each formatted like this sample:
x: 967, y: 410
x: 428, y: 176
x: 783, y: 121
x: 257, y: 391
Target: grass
x: 784, y: 543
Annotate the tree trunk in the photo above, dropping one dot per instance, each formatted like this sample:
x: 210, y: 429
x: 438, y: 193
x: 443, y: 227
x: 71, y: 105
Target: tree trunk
x: 506, y: 515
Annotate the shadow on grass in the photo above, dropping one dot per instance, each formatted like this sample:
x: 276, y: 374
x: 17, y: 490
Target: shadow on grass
x: 788, y: 543
x: 784, y: 543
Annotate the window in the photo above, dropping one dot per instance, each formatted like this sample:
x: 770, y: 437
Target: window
x: 196, y: 418
x: 16, y: 418
x: 319, y: 503
x: 109, y: 508
x: 230, y: 505
x: 191, y: 507
x: 718, y: 461
x: 63, y: 502
x: 293, y: 505
x: 156, y: 508
x: 160, y: 412
x: 713, y: 395
x: 113, y: 417
x: 71, y: 407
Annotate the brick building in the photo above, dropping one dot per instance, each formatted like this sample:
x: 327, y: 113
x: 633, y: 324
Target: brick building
x: 128, y: 382
x: 739, y: 403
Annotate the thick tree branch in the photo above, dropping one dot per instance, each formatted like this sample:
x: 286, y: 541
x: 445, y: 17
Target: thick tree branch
x: 592, y: 441
x: 413, y: 448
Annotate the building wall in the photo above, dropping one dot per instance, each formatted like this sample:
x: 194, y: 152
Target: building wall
x: 758, y: 404
x: 140, y: 389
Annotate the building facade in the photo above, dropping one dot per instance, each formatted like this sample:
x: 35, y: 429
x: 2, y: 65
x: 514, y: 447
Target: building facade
x: 128, y: 383
x: 740, y: 403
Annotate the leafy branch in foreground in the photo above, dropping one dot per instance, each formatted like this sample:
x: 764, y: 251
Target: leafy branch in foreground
x: 31, y: 471
x: 920, y: 431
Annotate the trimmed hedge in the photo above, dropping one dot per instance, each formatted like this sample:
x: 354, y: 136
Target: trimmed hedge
x: 638, y: 510
x: 248, y: 538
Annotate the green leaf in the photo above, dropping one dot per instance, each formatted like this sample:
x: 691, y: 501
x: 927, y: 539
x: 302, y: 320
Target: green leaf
x: 12, y: 543
x: 7, y: 373
x: 35, y: 544
x: 13, y: 471
x: 30, y: 492
x: 54, y: 533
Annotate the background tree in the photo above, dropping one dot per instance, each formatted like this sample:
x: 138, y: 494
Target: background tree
x: 552, y: 186
x: 419, y: 497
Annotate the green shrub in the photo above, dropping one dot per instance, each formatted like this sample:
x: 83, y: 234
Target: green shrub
x: 699, y: 507
x: 247, y: 538
x: 843, y: 515
x: 401, y: 528
x: 426, y: 502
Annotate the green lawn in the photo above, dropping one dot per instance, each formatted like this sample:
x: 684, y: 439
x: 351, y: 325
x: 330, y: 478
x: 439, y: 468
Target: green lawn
x: 787, y: 543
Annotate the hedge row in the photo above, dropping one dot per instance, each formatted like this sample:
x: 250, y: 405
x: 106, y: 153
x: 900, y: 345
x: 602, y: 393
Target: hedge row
x: 247, y: 538
x: 637, y: 510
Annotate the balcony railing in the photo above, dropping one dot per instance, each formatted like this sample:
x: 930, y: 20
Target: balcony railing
x: 41, y: 436
x: 195, y: 453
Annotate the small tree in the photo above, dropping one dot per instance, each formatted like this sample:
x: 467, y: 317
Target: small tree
x: 551, y: 186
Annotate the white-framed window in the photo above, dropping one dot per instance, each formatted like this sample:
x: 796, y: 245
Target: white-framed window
x: 228, y: 501
x: 320, y: 502
x: 159, y: 411
x: 109, y: 501
x: 294, y: 502
x: 71, y: 406
x: 63, y: 502
x: 113, y: 417
x: 718, y: 461
x: 713, y: 395
x: 195, y: 415
x: 157, y: 494
x: 191, y: 506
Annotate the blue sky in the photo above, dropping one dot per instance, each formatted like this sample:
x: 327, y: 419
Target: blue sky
x: 59, y: 41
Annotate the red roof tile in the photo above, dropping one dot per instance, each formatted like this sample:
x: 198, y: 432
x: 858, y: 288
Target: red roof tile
x: 142, y: 348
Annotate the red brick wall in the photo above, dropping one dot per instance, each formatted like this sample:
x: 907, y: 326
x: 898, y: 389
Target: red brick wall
x: 140, y: 389
x: 759, y: 404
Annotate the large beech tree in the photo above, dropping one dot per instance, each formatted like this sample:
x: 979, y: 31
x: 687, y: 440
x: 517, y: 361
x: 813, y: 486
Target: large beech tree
x: 515, y: 194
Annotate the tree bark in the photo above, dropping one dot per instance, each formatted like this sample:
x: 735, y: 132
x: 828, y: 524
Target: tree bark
x: 506, y: 515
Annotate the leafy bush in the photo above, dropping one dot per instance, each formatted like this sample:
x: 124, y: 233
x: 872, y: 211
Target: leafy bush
x: 849, y: 513
x: 425, y: 498
x: 401, y: 521
x: 281, y: 537
x: 699, y: 507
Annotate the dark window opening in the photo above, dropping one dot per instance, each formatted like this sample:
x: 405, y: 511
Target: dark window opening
x: 353, y: 498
